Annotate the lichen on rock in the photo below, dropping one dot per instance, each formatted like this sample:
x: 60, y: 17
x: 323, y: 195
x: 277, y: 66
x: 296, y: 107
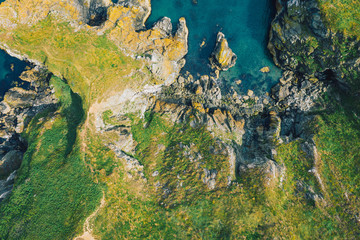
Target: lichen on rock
x: 222, y: 57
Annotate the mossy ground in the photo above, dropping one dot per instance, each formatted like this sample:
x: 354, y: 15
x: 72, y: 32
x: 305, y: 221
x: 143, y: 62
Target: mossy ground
x: 253, y: 207
x: 343, y: 15
x: 54, y: 190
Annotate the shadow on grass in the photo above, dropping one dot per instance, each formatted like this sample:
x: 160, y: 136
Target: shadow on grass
x: 74, y: 115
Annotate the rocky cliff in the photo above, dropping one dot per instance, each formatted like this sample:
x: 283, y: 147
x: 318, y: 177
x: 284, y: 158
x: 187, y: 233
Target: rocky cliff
x: 17, y: 110
x: 173, y: 156
x: 301, y: 41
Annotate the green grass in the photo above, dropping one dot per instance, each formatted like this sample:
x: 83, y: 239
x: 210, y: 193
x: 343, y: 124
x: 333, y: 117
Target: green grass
x: 337, y: 139
x: 54, y: 191
x: 93, y: 65
x: 180, y: 141
x: 342, y: 15
x: 252, y: 208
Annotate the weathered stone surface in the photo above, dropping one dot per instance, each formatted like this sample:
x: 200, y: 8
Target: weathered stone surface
x: 164, y: 26
x: 10, y: 162
x: 222, y: 57
x: 301, y: 42
x: 19, y: 98
x: 209, y: 178
x: 297, y: 93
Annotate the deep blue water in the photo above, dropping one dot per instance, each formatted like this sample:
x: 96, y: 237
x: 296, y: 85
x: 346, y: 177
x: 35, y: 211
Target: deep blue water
x: 10, y: 70
x: 245, y: 24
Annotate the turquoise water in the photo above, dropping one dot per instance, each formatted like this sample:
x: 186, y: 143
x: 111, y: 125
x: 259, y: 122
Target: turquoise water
x: 10, y: 70
x: 245, y: 24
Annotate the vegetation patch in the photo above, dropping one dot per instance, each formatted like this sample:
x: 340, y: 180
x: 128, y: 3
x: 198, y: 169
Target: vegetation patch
x: 343, y: 15
x: 93, y: 65
x: 337, y: 139
x: 54, y: 191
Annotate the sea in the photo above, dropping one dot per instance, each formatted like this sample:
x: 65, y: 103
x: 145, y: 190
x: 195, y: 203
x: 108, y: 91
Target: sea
x: 245, y: 24
x: 10, y: 70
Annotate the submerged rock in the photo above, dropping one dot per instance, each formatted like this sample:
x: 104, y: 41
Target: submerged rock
x: 222, y: 57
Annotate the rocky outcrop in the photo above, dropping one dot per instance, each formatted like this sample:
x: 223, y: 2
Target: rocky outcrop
x: 6, y: 186
x: 122, y: 22
x: 94, y: 12
x: 10, y: 162
x: 301, y: 42
x: 164, y: 50
x: 17, y: 109
x: 222, y: 57
x: 298, y: 92
x: 19, y: 98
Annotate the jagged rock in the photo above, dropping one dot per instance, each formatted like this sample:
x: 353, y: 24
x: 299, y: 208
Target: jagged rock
x: 297, y: 93
x: 19, y: 98
x: 6, y: 186
x: 33, y: 75
x: 4, y: 108
x: 164, y: 26
x: 6, y: 193
x: 210, y: 178
x: 222, y: 57
x: 301, y: 42
x: 10, y: 162
x: 265, y: 70
x: 182, y: 31
x: 274, y: 128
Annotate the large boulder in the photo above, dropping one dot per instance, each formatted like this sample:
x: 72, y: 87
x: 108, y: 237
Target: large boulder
x: 10, y: 162
x: 164, y: 26
x: 222, y: 57
x: 19, y: 98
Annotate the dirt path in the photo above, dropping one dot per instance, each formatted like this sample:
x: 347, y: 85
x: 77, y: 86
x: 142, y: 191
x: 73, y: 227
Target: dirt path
x: 87, y: 228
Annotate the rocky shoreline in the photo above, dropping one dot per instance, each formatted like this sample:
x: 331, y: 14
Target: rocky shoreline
x: 16, y: 111
x: 259, y: 123
x: 245, y: 131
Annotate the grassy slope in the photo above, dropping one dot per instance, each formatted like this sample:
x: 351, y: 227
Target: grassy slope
x: 92, y: 64
x: 253, y: 208
x: 61, y: 192
x: 337, y: 139
x: 54, y: 191
x: 343, y: 15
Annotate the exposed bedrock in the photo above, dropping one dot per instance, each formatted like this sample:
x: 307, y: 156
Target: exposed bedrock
x: 300, y: 41
x: 222, y: 57
x: 16, y: 111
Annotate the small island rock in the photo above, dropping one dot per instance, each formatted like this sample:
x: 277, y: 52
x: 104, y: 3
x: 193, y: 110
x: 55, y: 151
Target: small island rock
x: 265, y: 70
x: 222, y: 57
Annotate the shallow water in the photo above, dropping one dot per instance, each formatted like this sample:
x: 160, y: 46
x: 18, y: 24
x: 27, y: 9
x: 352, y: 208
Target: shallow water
x: 10, y: 70
x: 245, y: 24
